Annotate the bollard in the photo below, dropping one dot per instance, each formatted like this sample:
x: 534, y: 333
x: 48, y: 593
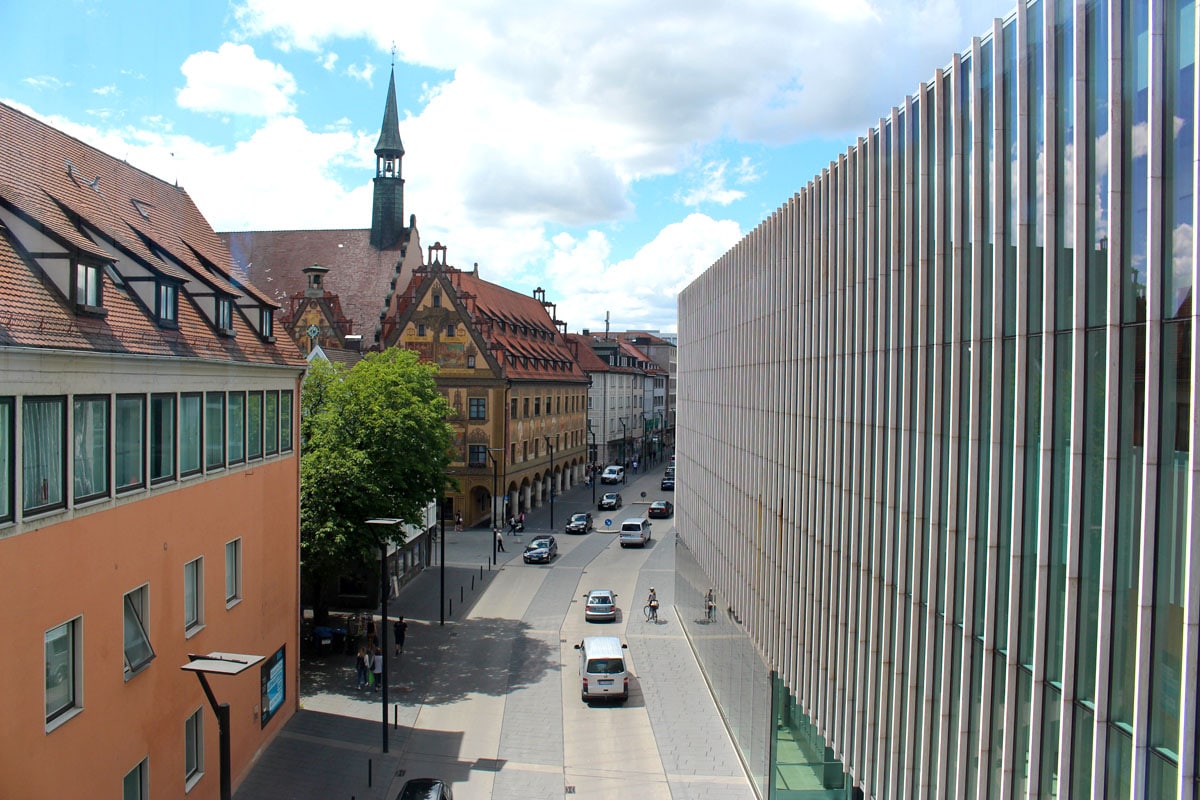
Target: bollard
x: 460, y: 594
x: 396, y: 717
x: 368, y: 772
x: 450, y: 611
x: 472, y: 583
x: 481, y: 570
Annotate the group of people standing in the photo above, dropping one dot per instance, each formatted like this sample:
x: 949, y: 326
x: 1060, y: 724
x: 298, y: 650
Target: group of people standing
x: 368, y: 664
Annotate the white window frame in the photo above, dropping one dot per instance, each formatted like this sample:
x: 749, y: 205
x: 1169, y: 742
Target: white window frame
x: 141, y: 774
x: 135, y: 611
x: 193, y: 749
x: 233, y: 572
x: 65, y: 669
x: 168, y: 303
x: 225, y: 314
x: 87, y: 288
x: 193, y: 597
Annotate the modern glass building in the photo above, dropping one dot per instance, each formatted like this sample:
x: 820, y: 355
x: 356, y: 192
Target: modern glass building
x: 937, y: 434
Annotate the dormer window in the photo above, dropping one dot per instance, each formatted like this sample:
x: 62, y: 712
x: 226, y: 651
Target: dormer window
x: 225, y: 315
x: 266, y: 322
x: 87, y: 286
x: 167, y: 309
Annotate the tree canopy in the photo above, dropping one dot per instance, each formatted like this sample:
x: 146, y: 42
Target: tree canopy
x: 376, y: 443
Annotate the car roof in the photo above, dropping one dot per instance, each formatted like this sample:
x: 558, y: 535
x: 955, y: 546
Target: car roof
x: 601, y: 591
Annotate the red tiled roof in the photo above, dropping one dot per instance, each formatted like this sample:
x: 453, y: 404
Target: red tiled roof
x: 53, y: 184
x: 360, y: 275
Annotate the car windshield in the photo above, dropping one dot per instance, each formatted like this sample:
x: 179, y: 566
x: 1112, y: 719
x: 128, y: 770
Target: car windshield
x: 579, y: 518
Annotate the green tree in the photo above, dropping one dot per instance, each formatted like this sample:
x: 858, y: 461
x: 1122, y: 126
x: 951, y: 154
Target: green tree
x: 376, y: 444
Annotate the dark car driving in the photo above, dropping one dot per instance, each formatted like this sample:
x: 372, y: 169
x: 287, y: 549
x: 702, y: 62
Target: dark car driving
x: 661, y: 509
x: 667, y: 484
x: 425, y: 789
x: 609, y: 501
x: 580, y: 523
x: 541, y: 550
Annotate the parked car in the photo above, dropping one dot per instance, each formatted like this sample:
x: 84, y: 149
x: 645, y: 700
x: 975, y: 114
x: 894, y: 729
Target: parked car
x: 661, y: 508
x: 610, y: 501
x: 667, y: 484
x: 425, y: 789
x: 541, y: 550
x: 580, y: 523
x: 601, y: 604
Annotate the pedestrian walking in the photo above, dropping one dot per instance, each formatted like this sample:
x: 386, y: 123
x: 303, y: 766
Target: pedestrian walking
x: 360, y: 667
x: 499, y: 540
x: 369, y: 664
x: 377, y: 668
x: 458, y: 521
x: 522, y: 519
x: 399, y: 628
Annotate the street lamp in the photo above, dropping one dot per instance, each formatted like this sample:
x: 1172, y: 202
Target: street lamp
x: 592, y: 460
x: 550, y: 447
x: 624, y: 436
x: 495, y: 466
x: 221, y: 664
x: 385, y: 524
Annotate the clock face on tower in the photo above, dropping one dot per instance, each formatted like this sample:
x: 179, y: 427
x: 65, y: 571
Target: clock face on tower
x: 313, y: 331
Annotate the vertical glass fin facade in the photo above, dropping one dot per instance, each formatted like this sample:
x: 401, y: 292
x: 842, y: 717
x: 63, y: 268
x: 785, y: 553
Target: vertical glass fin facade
x: 936, y: 450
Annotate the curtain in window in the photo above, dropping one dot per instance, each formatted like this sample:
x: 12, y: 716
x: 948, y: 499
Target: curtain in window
x: 214, y: 430
x: 42, y: 452
x: 162, y: 437
x: 131, y: 435
x: 6, y: 452
x: 189, y: 433
x: 254, y: 425
x: 236, y: 439
x: 91, y: 447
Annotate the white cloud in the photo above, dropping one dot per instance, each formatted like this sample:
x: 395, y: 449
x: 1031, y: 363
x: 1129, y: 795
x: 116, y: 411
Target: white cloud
x: 329, y: 61
x: 45, y: 82
x: 363, y: 73
x: 234, y: 80
x: 713, y: 188
x: 104, y: 91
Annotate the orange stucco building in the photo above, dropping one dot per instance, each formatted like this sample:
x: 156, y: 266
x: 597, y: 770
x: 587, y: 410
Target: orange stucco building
x: 149, y: 482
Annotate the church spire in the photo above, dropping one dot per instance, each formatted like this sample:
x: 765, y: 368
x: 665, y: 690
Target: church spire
x: 387, y: 212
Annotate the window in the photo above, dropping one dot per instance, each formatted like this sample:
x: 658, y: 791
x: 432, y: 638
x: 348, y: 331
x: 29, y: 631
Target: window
x: 271, y: 423
x: 421, y: 329
x: 7, y: 458
x: 525, y: 407
x: 225, y: 315
x: 477, y: 408
x: 191, y: 414
x: 137, y: 782
x: 193, y: 748
x: 537, y: 406
x: 266, y: 322
x: 162, y: 437
x: 214, y: 430
x: 233, y: 572
x: 43, y: 453
x: 63, y: 685
x: 87, y: 285
x: 235, y: 439
x: 470, y: 362
x: 450, y: 330
x: 437, y: 300
x: 254, y: 425
x: 193, y: 596
x: 167, y: 308
x: 131, y: 441
x: 285, y: 422
x: 91, y: 447
x: 138, y: 652
x: 478, y: 455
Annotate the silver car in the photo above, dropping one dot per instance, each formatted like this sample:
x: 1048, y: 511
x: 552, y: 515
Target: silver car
x: 601, y: 605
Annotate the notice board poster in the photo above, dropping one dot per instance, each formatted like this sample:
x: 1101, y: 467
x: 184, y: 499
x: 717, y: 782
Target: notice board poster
x: 274, y: 687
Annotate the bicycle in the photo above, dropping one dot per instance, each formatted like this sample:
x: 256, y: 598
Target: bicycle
x: 651, y: 612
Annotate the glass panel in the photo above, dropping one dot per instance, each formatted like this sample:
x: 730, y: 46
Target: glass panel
x: 190, y: 417
x: 1030, y: 495
x: 60, y: 669
x: 138, y: 651
x: 1162, y: 777
x: 1117, y: 783
x: 254, y: 425
x: 162, y: 437
x: 1021, y: 726
x: 982, y: 525
x: 192, y: 738
x: 1005, y: 499
x: 233, y: 569
x: 963, y: 196
x: 1135, y: 189
x: 1092, y: 516
x: 1170, y: 545
x: 285, y: 422
x: 1096, y: 162
x: 214, y: 430
x: 271, y: 423
x: 1064, y: 164
x: 972, y: 754
x: 235, y: 434
x: 131, y: 436
x: 43, y: 452
x: 1035, y: 161
x: 1010, y: 178
x: 7, y: 457
x: 191, y: 593
x: 1060, y: 512
x: 1178, y: 169
x: 1081, y: 754
x: 986, y: 123
x: 995, y: 761
x: 1048, y: 788
x: 91, y: 447
x: 1127, y: 536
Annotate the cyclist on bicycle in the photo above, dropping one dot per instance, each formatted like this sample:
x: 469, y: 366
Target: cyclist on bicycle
x: 652, y: 605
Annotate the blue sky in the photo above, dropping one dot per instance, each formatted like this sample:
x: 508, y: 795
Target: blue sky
x: 607, y: 152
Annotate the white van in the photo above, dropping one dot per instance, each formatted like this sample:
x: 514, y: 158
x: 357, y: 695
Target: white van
x: 613, y: 474
x: 635, y: 531
x: 602, y: 668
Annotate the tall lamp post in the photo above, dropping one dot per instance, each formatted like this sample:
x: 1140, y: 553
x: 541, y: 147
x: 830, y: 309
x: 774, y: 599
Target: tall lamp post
x: 550, y: 447
x: 592, y: 459
x: 384, y: 524
x: 220, y: 664
x: 495, y: 467
x: 661, y: 433
x: 624, y: 437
